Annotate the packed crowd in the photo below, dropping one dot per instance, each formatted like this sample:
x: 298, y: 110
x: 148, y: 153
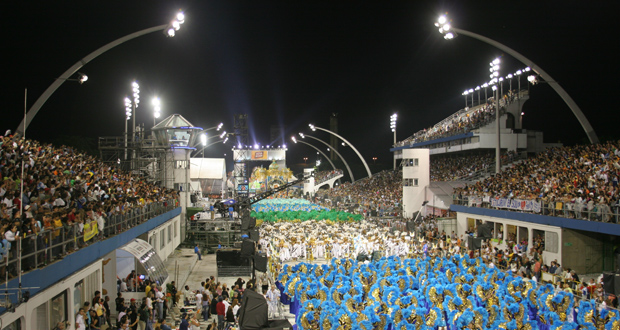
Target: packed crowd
x: 325, y: 175
x: 381, y: 194
x: 461, y: 122
x: 63, y: 191
x: 576, y: 182
x: 462, y: 167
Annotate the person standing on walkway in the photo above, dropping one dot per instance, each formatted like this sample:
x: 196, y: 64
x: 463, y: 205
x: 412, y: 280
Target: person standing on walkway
x: 221, y: 313
x: 197, y: 251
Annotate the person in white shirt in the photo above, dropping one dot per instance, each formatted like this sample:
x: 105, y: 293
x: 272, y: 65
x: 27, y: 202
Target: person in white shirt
x: 79, y: 320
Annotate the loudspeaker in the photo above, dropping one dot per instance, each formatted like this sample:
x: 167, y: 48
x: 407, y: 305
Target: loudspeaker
x: 193, y: 198
x: 247, y: 248
x: 254, y: 235
x: 474, y: 243
x: 260, y: 262
x: 410, y: 226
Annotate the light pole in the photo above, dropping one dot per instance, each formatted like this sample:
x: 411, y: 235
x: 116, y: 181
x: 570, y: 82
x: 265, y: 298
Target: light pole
x: 393, y: 119
x: 169, y: 28
x: 478, y: 90
x: 135, y: 87
x: 450, y: 32
x: 128, y: 114
x: 317, y: 149
x: 302, y: 135
x: 314, y: 128
x: 465, y: 94
x: 156, y: 109
x: 305, y: 160
x: 494, y: 75
x: 374, y: 160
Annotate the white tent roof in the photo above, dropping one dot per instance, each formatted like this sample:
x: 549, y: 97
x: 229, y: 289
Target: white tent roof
x: 207, y: 168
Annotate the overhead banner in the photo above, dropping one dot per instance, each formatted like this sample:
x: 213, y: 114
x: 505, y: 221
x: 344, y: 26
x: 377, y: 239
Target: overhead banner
x: 259, y: 154
x: 516, y: 204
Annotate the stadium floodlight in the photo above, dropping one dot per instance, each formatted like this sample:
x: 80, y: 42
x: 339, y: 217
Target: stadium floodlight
x: 223, y: 135
x: 219, y: 127
x: 203, y: 139
x: 452, y: 32
x: 294, y: 139
x: 175, y: 24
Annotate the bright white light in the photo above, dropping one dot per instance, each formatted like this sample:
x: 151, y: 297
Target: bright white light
x: 302, y: 135
x: 465, y: 93
x: 485, y: 85
x: 522, y: 113
x: 223, y: 135
x: 449, y: 36
x: 256, y: 146
x: 494, y: 88
x: 203, y: 139
x: 519, y: 72
x: 471, y: 90
x: 135, y: 85
x: 496, y: 68
x: 181, y: 17
x: 442, y: 19
x: 501, y: 78
x: 284, y: 145
x: 294, y: 139
x: 532, y: 79
x: 226, y: 139
x: 477, y: 88
x: 83, y: 78
x: 219, y: 126
x: 343, y: 144
x: 157, y: 114
x: 495, y: 74
x: 496, y: 61
x: 509, y: 76
x: 239, y: 146
x: 156, y: 101
x: 446, y: 27
x: 171, y: 32
x: 527, y: 69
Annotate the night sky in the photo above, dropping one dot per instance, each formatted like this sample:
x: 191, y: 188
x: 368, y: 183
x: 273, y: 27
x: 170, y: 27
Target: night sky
x: 291, y: 63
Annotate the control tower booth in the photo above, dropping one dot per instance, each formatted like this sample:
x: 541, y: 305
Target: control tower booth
x: 179, y: 138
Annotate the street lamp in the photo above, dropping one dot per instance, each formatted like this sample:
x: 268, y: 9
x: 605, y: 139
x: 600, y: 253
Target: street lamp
x: 374, y: 160
x: 305, y: 159
x: 314, y: 128
x: 302, y: 135
x: 450, y: 32
x: 32, y: 112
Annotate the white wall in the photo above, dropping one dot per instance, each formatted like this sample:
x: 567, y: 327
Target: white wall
x: 547, y: 256
x: 414, y: 196
x: 28, y: 309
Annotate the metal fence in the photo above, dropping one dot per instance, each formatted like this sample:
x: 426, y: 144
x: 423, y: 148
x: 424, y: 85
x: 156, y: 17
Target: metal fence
x: 599, y: 213
x: 36, y: 251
